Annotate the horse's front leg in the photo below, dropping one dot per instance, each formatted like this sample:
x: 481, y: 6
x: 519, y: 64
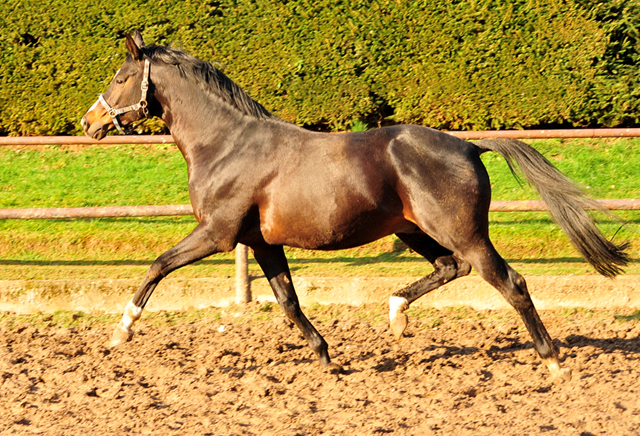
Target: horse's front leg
x: 273, y: 262
x: 202, y: 242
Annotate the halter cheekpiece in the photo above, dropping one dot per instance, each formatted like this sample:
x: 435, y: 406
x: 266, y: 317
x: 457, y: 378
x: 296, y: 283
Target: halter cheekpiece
x: 113, y: 113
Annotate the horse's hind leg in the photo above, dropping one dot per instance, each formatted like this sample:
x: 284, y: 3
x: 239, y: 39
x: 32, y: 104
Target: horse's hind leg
x: 513, y: 287
x: 446, y: 266
x: 273, y: 262
x: 198, y: 245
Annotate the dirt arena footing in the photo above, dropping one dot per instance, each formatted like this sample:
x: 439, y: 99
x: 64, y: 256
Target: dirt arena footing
x: 548, y: 292
x: 246, y: 370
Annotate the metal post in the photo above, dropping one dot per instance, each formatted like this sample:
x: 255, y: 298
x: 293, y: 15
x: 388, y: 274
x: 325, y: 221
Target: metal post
x: 243, y: 286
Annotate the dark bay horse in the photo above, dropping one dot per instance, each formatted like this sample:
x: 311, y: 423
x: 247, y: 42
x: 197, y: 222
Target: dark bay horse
x: 258, y: 180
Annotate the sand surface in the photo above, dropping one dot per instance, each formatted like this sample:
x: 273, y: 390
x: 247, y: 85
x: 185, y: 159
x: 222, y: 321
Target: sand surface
x: 249, y: 372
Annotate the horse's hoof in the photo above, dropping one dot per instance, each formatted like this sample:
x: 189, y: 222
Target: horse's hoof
x: 563, y: 375
x: 397, y: 319
x: 120, y: 335
x: 398, y: 325
x: 557, y: 373
x: 332, y: 368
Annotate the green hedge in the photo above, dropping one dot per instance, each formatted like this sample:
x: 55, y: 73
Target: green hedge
x: 484, y: 64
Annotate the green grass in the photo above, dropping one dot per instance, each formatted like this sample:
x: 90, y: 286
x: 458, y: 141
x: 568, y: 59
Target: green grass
x: 137, y: 175
x: 123, y: 175
x: 634, y: 317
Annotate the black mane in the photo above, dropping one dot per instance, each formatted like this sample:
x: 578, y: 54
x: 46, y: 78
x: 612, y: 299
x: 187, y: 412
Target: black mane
x: 210, y: 77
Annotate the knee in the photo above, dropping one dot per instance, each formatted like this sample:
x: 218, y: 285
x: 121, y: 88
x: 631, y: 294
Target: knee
x: 518, y: 294
x: 446, y: 268
x: 452, y: 267
x: 463, y: 267
x: 518, y: 283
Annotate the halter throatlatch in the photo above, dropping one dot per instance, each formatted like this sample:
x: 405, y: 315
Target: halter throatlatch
x: 113, y: 113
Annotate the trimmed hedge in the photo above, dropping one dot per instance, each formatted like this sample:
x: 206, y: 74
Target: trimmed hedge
x: 449, y: 64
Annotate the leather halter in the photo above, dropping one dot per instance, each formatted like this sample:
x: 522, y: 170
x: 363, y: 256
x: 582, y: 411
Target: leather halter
x: 113, y: 113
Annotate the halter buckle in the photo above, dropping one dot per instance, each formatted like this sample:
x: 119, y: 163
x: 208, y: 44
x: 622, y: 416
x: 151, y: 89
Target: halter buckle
x: 144, y: 106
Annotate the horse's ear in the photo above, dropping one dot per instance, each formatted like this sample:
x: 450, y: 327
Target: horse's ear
x: 137, y: 37
x: 133, y: 46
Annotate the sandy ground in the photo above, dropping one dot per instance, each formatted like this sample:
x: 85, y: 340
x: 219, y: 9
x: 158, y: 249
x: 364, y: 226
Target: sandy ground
x: 248, y: 372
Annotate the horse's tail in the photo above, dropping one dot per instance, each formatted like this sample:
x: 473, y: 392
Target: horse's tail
x: 566, y: 202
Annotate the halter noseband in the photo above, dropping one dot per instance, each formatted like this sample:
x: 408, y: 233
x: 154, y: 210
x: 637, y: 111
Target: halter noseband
x: 113, y: 113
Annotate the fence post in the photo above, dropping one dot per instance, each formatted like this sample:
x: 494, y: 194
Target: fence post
x: 243, y: 286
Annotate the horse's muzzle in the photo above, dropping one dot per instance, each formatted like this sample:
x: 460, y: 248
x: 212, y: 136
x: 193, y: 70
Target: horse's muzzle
x: 93, y: 126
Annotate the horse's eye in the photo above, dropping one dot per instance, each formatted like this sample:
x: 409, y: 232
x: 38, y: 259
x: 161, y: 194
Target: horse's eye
x: 119, y: 81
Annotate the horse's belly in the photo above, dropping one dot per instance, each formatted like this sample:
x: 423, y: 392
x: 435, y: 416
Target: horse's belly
x: 326, y: 232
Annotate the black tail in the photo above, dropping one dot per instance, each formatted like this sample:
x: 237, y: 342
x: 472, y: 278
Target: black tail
x: 566, y: 202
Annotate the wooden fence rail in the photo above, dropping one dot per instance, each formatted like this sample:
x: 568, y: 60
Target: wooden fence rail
x: 185, y: 209
x: 467, y: 135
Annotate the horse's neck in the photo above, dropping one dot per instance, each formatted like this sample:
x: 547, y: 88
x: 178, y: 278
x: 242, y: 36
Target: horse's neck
x: 198, y: 118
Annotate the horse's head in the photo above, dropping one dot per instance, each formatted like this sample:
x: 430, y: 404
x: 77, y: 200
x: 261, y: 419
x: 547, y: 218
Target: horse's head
x: 125, y: 100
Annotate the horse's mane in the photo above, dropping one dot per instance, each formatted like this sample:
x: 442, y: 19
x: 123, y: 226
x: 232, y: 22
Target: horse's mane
x: 208, y: 76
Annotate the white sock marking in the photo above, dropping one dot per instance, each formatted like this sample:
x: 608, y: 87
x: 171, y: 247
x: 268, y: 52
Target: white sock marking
x: 397, y: 305
x: 131, y: 315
